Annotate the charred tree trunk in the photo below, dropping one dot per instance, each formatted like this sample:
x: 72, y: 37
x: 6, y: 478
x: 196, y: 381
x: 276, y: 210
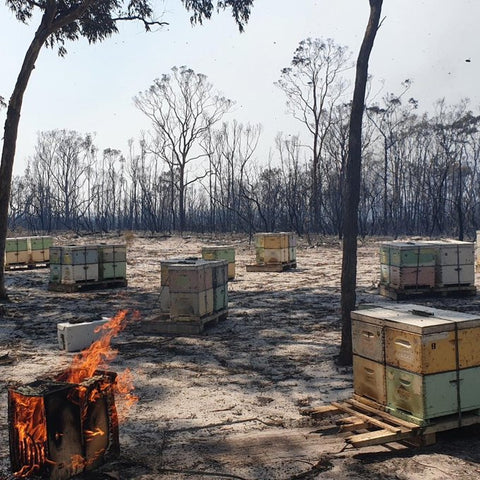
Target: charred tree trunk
x: 11, y: 131
x: 352, y: 185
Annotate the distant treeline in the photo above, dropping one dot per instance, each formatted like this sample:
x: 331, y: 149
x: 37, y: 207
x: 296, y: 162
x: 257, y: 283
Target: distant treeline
x: 421, y: 176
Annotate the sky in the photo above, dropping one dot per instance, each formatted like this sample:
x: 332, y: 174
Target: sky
x: 435, y: 43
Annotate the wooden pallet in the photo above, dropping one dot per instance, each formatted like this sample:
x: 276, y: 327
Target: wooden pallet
x: 163, y: 324
x: 25, y: 265
x: 271, y: 267
x: 88, y: 285
x: 445, y: 291
x: 371, y: 425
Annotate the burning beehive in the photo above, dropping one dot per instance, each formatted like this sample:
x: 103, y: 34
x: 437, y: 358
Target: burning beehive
x: 62, y: 426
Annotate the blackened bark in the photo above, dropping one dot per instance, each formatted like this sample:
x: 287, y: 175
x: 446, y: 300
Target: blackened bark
x: 352, y: 185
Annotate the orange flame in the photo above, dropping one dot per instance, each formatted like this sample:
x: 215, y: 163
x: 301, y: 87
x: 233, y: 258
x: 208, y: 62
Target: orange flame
x: 90, y: 434
x: 31, y: 427
x: 98, y: 355
x: 29, y: 416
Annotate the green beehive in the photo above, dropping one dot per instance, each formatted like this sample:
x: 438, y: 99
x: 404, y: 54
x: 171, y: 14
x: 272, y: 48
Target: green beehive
x: 221, y: 252
x: 220, y: 298
x: 40, y: 243
x: 19, y: 244
x: 423, y: 397
x: 111, y: 270
x: 411, y: 254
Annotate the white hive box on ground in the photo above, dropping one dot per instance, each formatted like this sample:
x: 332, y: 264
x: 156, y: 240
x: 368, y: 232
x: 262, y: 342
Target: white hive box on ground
x: 74, y: 337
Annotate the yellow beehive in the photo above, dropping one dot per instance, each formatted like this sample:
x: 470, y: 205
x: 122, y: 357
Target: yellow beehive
x: 369, y: 379
x: 368, y: 340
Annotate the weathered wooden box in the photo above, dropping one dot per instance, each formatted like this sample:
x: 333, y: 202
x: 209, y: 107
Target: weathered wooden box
x: 219, y: 272
x: 19, y: 244
x: 112, y: 253
x: 220, y: 298
x: 417, y: 338
x: 164, y: 265
x: 79, y: 254
x: 190, y: 278
x: 112, y: 270
x: 406, y: 277
x: 188, y: 305
x: 429, y: 396
x: 368, y: 339
x: 271, y: 255
x: 369, y: 379
x: 446, y: 275
x: 221, y: 252
x: 407, y: 254
x: 74, y: 273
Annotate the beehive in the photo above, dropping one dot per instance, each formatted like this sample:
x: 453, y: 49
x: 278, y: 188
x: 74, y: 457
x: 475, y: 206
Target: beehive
x: 454, y: 263
x: 112, y: 261
x: 221, y: 252
x: 275, y: 248
x: 72, y: 264
x: 407, y: 264
x: 40, y: 248
x: 369, y: 379
x: 194, y: 288
x: 424, y: 351
x: 426, y: 397
x: 17, y: 251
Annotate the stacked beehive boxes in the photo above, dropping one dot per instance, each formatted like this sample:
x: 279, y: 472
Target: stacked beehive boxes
x: 407, y: 264
x: 192, y: 289
x: 74, y: 264
x: 454, y: 263
x: 71, y: 264
x: 112, y: 262
x: 420, y: 363
x: 427, y: 264
x: 27, y: 250
x: 275, y: 248
x: 221, y: 252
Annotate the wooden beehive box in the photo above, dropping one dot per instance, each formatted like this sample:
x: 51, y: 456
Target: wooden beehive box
x: 408, y: 254
x: 196, y: 289
x: 455, y: 263
x: 431, y: 358
x: 221, y: 252
x: 405, y: 277
x: 112, y: 261
x: 369, y: 379
x: 39, y: 248
x: 17, y: 251
x: 424, y: 397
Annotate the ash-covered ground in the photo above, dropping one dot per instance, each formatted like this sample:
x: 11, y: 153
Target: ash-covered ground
x: 226, y: 404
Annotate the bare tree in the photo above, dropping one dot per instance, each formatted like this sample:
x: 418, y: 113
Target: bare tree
x: 61, y: 21
x: 352, y: 184
x: 183, y: 108
x: 313, y: 86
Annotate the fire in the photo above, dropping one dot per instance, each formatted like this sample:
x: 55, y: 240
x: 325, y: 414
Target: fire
x: 90, y: 434
x: 29, y: 418
x: 97, y: 357
x: 31, y: 428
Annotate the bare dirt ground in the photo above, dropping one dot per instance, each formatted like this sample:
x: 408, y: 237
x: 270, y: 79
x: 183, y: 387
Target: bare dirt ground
x: 226, y: 404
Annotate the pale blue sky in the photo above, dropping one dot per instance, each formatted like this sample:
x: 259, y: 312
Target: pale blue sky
x: 91, y: 89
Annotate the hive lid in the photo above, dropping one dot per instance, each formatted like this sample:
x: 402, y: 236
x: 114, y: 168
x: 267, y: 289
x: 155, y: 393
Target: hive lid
x: 416, y: 318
